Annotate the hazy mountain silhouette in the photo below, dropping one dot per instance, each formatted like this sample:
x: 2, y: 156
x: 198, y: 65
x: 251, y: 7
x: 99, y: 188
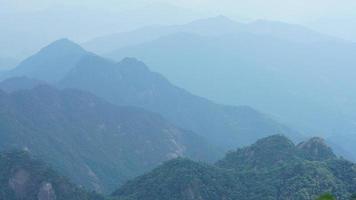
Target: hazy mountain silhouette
x: 50, y: 63
x: 214, y: 26
x: 301, y: 77
x: 130, y: 82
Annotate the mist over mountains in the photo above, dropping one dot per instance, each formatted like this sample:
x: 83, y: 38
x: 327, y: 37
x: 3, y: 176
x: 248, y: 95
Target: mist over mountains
x: 97, y: 144
x: 300, y: 76
x: 214, y: 26
x: 131, y: 140
x: 130, y: 82
x: 163, y: 103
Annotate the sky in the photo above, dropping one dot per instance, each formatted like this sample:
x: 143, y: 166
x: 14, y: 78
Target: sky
x: 285, y: 10
x: 30, y: 24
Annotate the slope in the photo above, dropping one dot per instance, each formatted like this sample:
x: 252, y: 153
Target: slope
x: 95, y: 143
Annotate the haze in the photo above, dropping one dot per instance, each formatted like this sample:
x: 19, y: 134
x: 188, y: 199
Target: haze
x: 83, y: 20
x: 180, y: 99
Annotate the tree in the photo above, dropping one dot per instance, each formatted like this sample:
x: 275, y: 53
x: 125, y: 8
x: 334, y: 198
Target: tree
x: 353, y: 197
x: 326, y: 197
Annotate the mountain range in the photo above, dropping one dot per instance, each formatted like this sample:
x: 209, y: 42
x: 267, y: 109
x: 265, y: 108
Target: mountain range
x: 97, y: 144
x: 101, y: 122
x: 301, y: 77
x: 272, y: 168
x: 213, y: 109
x: 213, y: 26
x: 130, y: 82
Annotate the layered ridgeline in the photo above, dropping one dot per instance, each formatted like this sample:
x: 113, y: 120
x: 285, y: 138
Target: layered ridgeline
x: 96, y: 144
x: 272, y: 168
x: 130, y: 82
x: 300, y: 76
x: 214, y: 26
x: 22, y: 177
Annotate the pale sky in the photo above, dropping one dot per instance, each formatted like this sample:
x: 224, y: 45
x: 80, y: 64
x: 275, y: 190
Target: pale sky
x: 284, y: 10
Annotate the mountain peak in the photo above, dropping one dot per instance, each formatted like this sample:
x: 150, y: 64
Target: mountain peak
x: 133, y: 63
x: 270, y: 151
x: 316, y: 149
x: 51, y: 63
x: 275, y: 140
x: 217, y: 20
x: 63, y: 44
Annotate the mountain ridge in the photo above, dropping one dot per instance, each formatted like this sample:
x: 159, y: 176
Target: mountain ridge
x: 93, y: 142
x: 130, y: 82
x: 235, y: 178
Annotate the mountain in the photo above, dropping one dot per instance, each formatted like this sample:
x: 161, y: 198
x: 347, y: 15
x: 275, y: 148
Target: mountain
x: 290, y: 32
x: 316, y: 149
x: 19, y: 83
x: 23, y: 177
x: 50, y: 63
x: 96, y: 144
x: 266, y: 153
x: 258, y: 62
x: 299, y: 76
x: 213, y: 26
x: 179, y: 179
x: 272, y: 168
x: 130, y: 82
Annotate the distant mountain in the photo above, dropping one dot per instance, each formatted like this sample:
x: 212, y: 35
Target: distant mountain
x: 214, y: 26
x: 290, y: 32
x: 130, y: 82
x: 272, y: 168
x: 299, y: 76
x: 96, y: 144
x: 50, y: 63
x: 23, y: 177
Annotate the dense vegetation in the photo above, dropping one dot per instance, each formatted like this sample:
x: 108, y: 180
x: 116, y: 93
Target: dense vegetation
x: 272, y: 168
x: 22, y: 177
